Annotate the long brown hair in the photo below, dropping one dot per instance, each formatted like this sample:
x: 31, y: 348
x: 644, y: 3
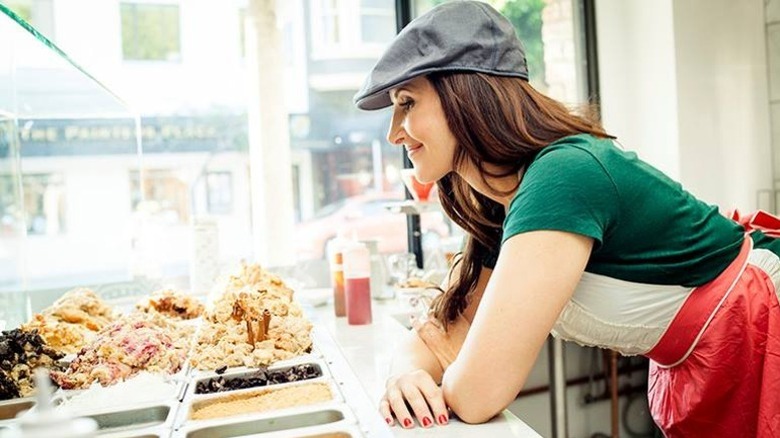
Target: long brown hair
x: 501, y: 121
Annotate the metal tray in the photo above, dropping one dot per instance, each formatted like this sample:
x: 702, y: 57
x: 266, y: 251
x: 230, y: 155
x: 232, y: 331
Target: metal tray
x: 142, y: 433
x: 238, y: 373
x: 336, y: 430
x: 178, y: 380
x: 9, y: 409
x: 156, y: 415
x: 283, y: 422
x: 189, y: 403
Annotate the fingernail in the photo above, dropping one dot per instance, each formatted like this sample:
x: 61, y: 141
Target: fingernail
x: 426, y: 421
x: 389, y: 421
x: 407, y: 422
x: 442, y: 419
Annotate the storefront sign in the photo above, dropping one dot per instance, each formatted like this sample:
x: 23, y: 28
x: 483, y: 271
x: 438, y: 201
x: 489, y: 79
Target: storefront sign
x: 118, y: 136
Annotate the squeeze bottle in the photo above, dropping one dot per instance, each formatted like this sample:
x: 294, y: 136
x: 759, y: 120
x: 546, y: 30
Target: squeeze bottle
x: 336, y: 262
x: 357, y: 279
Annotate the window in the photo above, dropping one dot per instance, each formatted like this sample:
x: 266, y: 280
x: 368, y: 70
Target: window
x: 150, y: 32
x: 546, y: 28
x: 163, y: 195
x: 377, y: 21
x: 242, y: 31
x: 219, y: 192
x: 44, y: 203
x: 22, y: 8
x: 10, y: 206
x: 330, y: 21
x: 38, y: 13
x: 351, y: 28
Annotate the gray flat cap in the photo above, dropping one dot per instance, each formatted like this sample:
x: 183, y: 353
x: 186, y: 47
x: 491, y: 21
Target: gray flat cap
x: 454, y: 36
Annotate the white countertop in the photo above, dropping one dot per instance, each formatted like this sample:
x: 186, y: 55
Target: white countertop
x: 368, y: 350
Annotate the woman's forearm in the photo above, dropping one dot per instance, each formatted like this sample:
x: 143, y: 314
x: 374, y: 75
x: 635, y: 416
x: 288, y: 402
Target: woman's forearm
x: 412, y: 354
x: 428, y: 346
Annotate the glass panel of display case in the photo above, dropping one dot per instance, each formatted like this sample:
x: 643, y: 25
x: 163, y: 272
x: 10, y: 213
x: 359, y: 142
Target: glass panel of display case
x: 92, y: 214
x: 45, y: 82
x: 60, y: 227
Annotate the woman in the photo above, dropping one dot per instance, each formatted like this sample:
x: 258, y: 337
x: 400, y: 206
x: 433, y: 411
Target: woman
x: 592, y: 244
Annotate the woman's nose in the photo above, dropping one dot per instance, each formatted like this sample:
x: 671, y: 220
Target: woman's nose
x: 395, y: 135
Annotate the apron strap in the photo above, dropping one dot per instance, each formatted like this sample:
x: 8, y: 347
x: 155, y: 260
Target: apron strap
x: 760, y: 220
x: 687, y: 326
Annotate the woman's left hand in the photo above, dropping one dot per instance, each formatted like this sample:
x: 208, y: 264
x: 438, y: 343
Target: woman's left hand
x: 445, y: 345
x: 415, y: 390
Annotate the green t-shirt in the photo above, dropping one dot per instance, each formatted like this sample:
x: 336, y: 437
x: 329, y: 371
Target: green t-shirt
x: 646, y: 228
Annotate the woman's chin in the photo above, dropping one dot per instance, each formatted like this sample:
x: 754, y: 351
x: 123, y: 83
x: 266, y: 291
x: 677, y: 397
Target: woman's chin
x: 427, y: 174
x: 426, y: 177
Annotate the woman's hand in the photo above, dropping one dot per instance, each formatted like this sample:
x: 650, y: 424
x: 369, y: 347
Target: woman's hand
x: 444, y: 344
x: 416, y: 390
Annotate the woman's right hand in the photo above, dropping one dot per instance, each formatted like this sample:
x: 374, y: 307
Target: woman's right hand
x: 416, y: 390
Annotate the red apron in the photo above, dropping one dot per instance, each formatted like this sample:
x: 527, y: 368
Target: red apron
x: 716, y: 370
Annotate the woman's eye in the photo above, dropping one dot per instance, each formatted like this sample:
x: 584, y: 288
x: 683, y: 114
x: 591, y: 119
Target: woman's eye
x: 407, y: 104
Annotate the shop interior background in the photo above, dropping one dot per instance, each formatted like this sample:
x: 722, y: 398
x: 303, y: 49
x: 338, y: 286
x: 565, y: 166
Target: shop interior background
x: 247, y: 127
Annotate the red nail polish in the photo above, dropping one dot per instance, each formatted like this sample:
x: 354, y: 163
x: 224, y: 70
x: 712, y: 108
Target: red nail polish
x: 426, y: 421
x: 389, y: 421
x: 442, y: 419
x: 407, y: 422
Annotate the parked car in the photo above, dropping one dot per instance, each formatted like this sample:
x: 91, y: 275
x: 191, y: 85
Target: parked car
x: 368, y: 218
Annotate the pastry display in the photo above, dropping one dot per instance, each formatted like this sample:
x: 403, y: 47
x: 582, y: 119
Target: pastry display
x: 253, y: 276
x: 254, y: 323
x: 72, y: 321
x: 132, y: 344
x: 20, y: 353
x: 135, y: 368
x: 172, y: 304
x: 262, y: 400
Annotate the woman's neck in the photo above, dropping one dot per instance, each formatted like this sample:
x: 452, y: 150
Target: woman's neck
x: 473, y: 177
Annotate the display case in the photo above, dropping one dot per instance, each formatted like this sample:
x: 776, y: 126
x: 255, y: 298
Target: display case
x: 61, y: 231
x: 58, y: 229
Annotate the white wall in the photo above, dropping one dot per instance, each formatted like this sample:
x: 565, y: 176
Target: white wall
x: 723, y: 100
x: 684, y: 84
x: 637, y: 70
x: 772, y: 17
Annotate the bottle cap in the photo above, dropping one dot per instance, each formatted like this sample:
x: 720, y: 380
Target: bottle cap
x: 357, y: 260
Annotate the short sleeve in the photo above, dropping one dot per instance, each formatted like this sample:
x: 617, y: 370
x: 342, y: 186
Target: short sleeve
x: 489, y: 261
x: 566, y: 188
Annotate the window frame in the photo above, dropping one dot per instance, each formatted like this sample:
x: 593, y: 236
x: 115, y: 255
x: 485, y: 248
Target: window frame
x: 350, y: 42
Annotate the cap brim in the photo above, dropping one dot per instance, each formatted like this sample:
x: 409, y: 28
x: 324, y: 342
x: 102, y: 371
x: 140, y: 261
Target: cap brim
x: 375, y: 101
x: 380, y: 98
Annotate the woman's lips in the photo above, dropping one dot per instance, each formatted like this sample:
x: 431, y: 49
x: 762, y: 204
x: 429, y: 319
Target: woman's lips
x: 410, y: 150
